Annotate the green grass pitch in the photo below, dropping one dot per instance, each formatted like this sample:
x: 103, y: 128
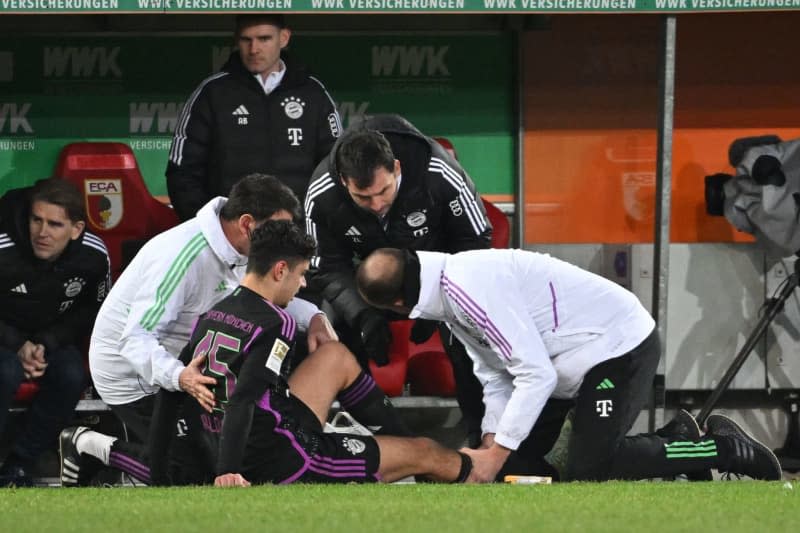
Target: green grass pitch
x: 582, y: 507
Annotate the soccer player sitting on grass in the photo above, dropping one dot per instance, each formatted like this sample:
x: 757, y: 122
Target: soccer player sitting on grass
x: 266, y: 424
x: 545, y: 335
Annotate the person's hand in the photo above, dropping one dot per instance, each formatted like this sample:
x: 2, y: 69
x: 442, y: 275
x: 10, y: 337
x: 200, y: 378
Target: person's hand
x: 320, y: 331
x: 487, y: 441
x: 486, y: 463
x: 422, y: 330
x: 192, y: 381
x: 376, y: 337
x: 31, y: 357
x: 231, y: 480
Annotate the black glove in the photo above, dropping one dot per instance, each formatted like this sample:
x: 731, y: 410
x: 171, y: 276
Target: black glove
x: 376, y: 337
x: 422, y: 330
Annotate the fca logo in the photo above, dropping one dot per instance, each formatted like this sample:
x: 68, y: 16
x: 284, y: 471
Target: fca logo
x: 604, y: 407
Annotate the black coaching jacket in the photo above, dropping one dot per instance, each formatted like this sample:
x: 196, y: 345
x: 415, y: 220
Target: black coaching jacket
x: 50, y: 303
x: 230, y: 128
x: 436, y: 209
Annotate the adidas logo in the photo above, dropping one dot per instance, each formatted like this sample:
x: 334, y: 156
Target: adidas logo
x: 241, y: 110
x: 221, y: 287
x: 20, y: 289
x: 605, y: 384
x: 353, y: 232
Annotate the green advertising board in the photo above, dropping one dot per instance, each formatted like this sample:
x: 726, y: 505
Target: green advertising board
x: 56, y: 90
x: 393, y: 6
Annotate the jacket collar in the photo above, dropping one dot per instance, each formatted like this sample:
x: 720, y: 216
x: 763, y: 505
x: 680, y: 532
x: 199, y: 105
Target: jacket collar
x: 430, y: 305
x: 211, y: 227
x: 294, y: 75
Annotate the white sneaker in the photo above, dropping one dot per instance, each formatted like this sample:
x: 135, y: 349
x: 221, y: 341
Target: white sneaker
x: 343, y: 422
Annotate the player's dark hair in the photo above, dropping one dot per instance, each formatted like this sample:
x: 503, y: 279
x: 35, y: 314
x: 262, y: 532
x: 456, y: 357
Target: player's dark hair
x: 379, y: 277
x: 360, y: 153
x: 252, y: 19
x: 260, y: 196
x: 62, y: 193
x: 278, y: 240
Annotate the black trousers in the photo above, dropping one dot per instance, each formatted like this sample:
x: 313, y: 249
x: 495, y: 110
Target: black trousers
x: 612, y: 395
x: 52, y: 408
x: 136, y: 416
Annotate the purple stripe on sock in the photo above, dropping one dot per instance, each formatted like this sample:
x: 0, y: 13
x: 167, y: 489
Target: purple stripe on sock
x: 555, y: 309
x: 359, y: 392
x: 475, y: 312
x: 264, y: 404
x: 129, y: 465
x: 258, y: 332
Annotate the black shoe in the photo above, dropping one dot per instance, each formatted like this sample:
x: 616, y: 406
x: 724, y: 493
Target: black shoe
x: 13, y: 475
x: 71, y: 460
x: 746, y: 456
x: 684, y: 427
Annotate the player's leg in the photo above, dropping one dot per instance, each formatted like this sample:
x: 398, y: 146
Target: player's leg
x: 611, y: 397
x: 401, y: 457
x: 332, y: 372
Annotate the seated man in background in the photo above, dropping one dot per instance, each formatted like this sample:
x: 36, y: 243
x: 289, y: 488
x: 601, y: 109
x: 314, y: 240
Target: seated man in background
x: 53, y: 277
x: 386, y: 184
x: 149, y: 314
x: 539, y: 330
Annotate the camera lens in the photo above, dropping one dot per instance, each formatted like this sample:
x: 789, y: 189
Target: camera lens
x: 715, y: 194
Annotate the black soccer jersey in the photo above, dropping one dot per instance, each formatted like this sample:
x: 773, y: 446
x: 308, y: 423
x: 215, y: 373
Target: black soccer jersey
x: 248, y: 342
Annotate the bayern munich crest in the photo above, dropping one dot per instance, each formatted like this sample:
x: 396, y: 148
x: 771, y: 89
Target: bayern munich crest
x: 103, y: 202
x: 293, y: 106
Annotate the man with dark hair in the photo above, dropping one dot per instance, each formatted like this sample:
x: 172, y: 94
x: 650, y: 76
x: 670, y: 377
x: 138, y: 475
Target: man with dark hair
x: 545, y: 335
x: 265, y: 423
x: 387, y: 184
x: 54, y: 276
x: 149, y: 314
x: 263, y: 112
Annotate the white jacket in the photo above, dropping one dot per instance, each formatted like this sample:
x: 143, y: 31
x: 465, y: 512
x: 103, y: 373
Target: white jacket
x: 532, y: 324
x: 148, y: 316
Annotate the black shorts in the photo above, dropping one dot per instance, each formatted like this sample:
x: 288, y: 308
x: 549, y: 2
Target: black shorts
x: 295, y: 449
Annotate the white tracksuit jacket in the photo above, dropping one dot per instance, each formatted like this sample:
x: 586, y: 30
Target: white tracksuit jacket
x: 148, y: 316
x: 532, y: 324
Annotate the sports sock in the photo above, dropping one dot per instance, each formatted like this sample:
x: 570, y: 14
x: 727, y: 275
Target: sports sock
x: 129, y: 458
x: 95, y: 444
x: 369, y: 405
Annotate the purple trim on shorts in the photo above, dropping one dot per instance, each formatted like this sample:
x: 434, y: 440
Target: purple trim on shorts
x: 264, y: 404
x: 129, y: 465
x: 474, y: 311
x: 327, y: 473
x: 332, y: 467
x: 289, y: 327
x: 358, y: 391
x: 258, y: 331
x: 334, y: 461
x: 555, y: 309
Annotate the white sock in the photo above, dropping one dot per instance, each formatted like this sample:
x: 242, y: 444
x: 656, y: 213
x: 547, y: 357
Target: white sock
x: 95, y: 444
